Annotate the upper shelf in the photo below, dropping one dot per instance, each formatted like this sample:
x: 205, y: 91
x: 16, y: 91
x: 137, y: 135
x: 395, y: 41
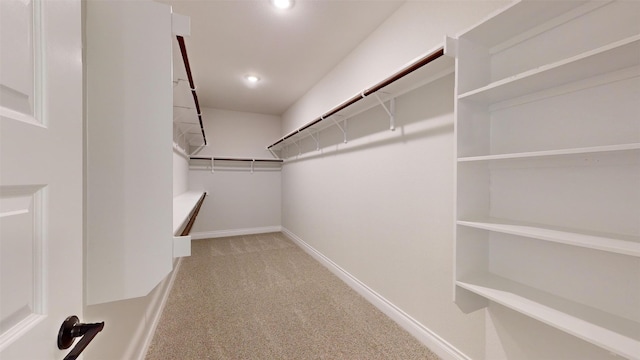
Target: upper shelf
x: 616, y: 56
x: 521, y: 17
x: 427, y: 68
x: 186, y: 109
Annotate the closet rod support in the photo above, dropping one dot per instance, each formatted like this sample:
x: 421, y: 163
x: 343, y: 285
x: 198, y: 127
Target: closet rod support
x: 196, y: 151
x: 299, y: 149
x: 343, y: 129
x: 391, y: 110
x: 273, y: 153
x: 317, y: 140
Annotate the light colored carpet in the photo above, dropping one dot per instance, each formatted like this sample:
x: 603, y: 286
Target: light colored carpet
x: 262, y: 297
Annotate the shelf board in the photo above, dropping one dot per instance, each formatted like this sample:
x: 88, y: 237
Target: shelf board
x: 185, y: 105
x: 620, y: 244
x: 515, y: 19
x: 183, y: 205
x: 614, y: 333
x: 547, y: 153
x: 616, y: 56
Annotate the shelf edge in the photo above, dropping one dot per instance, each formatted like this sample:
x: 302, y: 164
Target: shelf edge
x: 608, y: 244
x: 548, y: 153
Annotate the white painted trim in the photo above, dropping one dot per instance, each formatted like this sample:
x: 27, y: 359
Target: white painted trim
x: 181, y: 246
x: 141, y: 339
x: 427, y: 337
x: 180, y: 24
x: 234, y: 232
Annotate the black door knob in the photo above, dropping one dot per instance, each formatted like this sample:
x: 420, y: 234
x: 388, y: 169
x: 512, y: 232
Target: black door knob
x: 72, y: 328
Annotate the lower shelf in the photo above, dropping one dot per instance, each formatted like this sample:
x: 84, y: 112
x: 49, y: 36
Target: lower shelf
x: 614, y: 333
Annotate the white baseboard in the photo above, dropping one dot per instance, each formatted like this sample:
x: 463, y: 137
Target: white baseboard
x: 427, y: 337
x: 140, y: 345
x: 234, y: 232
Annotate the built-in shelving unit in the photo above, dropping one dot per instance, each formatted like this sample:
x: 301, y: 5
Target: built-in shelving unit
x: 548, y: 167
x: 427, y: 68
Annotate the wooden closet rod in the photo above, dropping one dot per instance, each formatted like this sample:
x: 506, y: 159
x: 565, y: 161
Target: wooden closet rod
x: 185, y: 58
x: 234, y: 159
x: 192, y: 219
x: 391, y: 79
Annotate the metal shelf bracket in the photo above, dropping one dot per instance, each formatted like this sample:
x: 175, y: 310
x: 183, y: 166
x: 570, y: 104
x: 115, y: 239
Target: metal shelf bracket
x: 343, y: 129
x: 298, y: 146
x: 391, y: 110
x: 273, y: 153
x: 317, y: 140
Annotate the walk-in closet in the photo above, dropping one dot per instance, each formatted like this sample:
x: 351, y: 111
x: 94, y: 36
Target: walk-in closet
x: 344, y: 179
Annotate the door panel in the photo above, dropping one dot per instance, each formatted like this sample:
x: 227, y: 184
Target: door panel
x: 21, y: 257
x: 41, y: 256
x: 20, y: 49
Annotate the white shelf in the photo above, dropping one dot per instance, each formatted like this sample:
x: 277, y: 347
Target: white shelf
x: 546, y: 131
x: 185, y: 112
x: 616, y: 334
x: 616, y: 56
x: 620, y: 244
x: 518, y: 18
x: 183, y: 205
x: 548, y: 153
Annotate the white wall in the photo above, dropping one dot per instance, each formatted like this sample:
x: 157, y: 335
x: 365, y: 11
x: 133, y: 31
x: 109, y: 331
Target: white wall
x: 180, y: 173
x: 381, y: 206
x: 238, y: 200
x: 239, y: 134
x: 129, y: 324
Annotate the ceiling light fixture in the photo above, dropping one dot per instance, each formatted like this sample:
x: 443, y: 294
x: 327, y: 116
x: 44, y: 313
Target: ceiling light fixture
x: 252, y: 79
x: 282, y: 4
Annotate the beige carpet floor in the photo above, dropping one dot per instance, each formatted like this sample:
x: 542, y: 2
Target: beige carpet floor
x: 262, y: 297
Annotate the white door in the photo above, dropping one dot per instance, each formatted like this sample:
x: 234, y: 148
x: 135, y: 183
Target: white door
x: 41, y: 184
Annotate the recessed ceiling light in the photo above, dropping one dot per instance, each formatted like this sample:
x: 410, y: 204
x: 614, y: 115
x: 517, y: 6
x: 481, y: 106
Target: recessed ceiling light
x: 282, y: 4
x: 252, y: 78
